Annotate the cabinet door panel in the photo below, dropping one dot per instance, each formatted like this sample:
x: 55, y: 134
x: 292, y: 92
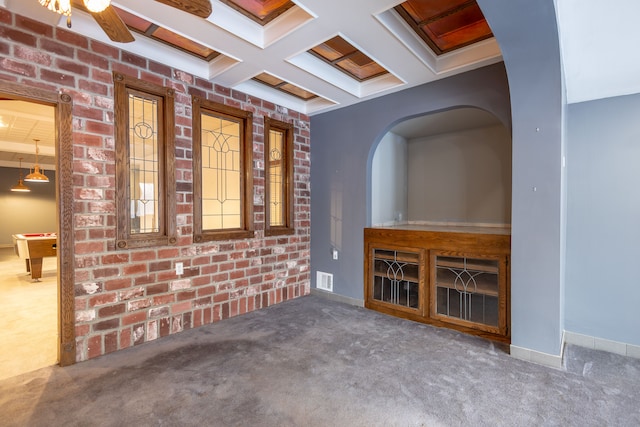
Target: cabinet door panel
x: 395, y: 279
x: 469, y: 290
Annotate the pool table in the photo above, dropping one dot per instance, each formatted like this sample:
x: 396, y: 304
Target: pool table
x: 32, y: 247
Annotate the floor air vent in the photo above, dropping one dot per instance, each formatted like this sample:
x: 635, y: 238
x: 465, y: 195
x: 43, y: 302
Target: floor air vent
x: 324, y: 281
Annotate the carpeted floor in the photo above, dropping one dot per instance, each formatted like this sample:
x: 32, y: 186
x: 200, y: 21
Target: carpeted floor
x: 314, y: 362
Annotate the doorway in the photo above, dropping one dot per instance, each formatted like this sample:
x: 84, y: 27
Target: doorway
x: 39, y: 311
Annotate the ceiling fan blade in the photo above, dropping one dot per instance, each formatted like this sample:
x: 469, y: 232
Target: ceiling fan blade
x: 201, y: 8
x: 112, y: 25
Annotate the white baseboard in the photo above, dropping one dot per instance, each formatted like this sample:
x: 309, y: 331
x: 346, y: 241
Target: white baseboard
x: 602, y: 344
x: 550, y: 360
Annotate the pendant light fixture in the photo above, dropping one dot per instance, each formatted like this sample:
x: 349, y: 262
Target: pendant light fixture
x: 63, y: 7
x: 96, y: 5
x: 20, y: 187
x: 36, y: 175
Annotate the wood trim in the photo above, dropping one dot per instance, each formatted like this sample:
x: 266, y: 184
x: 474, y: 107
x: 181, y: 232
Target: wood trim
x: 289, y: 226
x: 166, y: 170
x: 423, y: 284
x: 64, y: 196
x: 246, y: 118
x: 431, y: 243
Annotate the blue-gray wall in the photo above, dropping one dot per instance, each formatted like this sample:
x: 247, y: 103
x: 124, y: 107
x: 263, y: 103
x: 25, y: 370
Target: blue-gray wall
x: 528, y: 37
x: 342, y: 147
x: 603, y: 227
x: 531, y: 104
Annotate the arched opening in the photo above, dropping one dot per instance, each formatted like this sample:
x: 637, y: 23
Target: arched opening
x: 439, y: 246
x: 445, y: 168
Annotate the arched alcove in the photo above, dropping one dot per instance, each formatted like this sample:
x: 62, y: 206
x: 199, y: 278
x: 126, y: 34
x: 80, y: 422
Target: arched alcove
x: 447, y: 168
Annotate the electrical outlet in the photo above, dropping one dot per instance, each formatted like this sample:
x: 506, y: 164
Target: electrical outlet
x: 179, y: 268
x: 334, y: 253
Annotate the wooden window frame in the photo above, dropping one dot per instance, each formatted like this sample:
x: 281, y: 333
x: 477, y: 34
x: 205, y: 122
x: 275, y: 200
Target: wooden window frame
x: 287, y: 129
x: 246, y: 229
x: 166, y: 164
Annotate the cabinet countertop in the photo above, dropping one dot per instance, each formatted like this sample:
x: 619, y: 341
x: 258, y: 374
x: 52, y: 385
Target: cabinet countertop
x: 449, y: 228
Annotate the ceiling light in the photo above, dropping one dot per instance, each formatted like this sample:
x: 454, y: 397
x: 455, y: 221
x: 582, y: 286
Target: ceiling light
x: 36, y: 175
x: 20, y: 187
x: 96, y: 5
x: 63, y: 7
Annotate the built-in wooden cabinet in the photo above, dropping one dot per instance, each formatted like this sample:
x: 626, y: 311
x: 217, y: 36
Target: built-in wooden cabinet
x: 456, y: 277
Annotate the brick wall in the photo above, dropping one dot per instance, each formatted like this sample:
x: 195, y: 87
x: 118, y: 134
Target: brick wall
x: 126, y: 298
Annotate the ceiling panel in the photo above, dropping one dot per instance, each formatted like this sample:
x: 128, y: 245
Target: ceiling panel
x: 344, y: 56
x: 279, y: 84
x: 261, y: 11
x: 446, y: 25
x: 328, y: 53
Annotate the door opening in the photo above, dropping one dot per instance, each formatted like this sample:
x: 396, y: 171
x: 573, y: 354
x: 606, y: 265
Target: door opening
x: 36, y: 239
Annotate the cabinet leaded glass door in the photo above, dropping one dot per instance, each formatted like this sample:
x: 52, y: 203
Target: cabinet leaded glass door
x: 396, y: 278
x: 469, y: 290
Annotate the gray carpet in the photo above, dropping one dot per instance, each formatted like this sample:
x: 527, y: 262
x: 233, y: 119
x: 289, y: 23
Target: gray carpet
x: 314, y: 362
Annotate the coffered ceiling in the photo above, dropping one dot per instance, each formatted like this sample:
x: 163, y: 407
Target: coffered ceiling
x: 307, y: 55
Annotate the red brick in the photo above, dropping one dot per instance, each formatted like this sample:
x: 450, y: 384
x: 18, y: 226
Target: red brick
x: 73, y: 67
x: 69, y: 37
x: 163, y: 299
x: 131, y: 319
x: 18, y: 36
x: 165, y: 326
x: 117, y: 284
x: 32, y: 55
x: 94, y: 346
x: 134, y: 269
x: 103, y: 299
x: 99, y: 273
x: 138, y: 334
x: 125, y: 338
x: 16, y: 67
x: 143, y: 256
x: 130, y: 58
x: 99, y: 127
x: 152, y: 78
x: 181, y: 307
x: 111, y: 310
x: 107, y: 324
x: 160, y: 68
x: 104, y: 49
x: 57, y: 48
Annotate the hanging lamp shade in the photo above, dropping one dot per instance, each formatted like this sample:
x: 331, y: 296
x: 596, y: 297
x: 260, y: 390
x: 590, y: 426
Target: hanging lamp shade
x: 63, y: 7
x: 96, y: 5
x: 36, y: 175
x: 20, y: 187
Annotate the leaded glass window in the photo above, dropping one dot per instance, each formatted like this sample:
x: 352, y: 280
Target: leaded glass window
x: 279, y: 177
x: 145, y: 155
x: 222, y: 171
x: 144, y: 163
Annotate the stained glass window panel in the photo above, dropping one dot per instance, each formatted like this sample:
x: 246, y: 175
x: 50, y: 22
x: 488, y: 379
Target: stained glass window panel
x: 143, y: 164
x: 221, y: 173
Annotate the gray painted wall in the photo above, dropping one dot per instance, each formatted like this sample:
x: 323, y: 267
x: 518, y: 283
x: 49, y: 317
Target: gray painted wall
x: 603, y: 232
x: 462, y: 177
x: 528, y: 37
x: 342, y: 148
x: 389, y: 181
x: 343, y: 140
x: 33, y: 212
